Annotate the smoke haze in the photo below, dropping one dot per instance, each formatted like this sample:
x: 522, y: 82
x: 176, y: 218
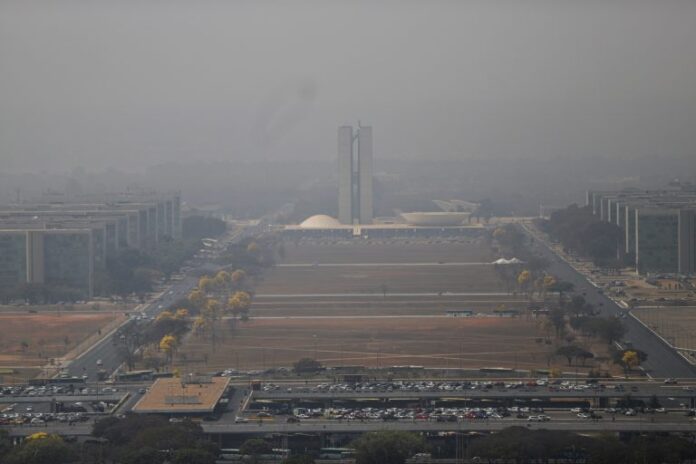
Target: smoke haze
x: 133, y: 84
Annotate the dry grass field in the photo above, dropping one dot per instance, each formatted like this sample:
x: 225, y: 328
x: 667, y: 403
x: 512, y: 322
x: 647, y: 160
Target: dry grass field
x: 327, y: 302
x: 426, y: 341
x: 357, y: 279
x: 677, y: 324
x: 28, y: 341
x: 407, y: 305
x: 380, y: 251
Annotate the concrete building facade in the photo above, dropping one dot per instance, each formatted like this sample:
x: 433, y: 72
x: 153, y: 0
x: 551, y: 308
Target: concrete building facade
x: 658, y: 226
x: 355, y: 175
x: 63, y: 243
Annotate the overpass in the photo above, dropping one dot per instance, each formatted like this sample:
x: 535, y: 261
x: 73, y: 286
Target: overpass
x: 216, y: 430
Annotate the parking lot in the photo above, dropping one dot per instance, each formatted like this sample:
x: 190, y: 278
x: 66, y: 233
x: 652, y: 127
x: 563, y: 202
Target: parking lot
x: 459, y: 401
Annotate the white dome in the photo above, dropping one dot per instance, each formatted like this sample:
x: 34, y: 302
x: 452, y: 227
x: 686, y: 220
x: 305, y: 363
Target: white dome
x: 435, y: 219
x: 320, y: 221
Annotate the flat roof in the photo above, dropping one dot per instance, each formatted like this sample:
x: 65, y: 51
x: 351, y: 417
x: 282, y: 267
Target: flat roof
x: 172, y: 395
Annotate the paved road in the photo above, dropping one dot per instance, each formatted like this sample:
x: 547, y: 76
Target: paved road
x: 640, y: 424
x: 105, y: 350
x: 662, y: 360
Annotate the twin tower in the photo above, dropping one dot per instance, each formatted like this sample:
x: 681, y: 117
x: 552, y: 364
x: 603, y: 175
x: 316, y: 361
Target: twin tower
x: 355, y: 175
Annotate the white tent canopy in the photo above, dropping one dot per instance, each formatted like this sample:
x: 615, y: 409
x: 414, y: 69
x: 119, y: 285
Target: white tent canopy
x: 508, y: 261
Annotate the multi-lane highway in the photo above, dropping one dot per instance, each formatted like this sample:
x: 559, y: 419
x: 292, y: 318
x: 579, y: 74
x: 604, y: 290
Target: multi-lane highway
x: 641, y: 425
x: 662, y: 360
x: 105, y: 352
x: 636, y: 424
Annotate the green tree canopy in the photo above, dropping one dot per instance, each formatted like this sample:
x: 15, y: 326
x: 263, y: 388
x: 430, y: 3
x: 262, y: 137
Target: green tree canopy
x: 255, y: 447
x: 193, y: 456
x: 387, y: 447
x: 50, y: 449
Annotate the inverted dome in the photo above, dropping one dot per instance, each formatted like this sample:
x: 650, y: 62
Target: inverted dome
x: 320, y: 221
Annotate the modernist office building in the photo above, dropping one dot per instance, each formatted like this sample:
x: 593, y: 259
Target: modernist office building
x: 355, y: 175
x: 63, y: 243
x: 658, y: 226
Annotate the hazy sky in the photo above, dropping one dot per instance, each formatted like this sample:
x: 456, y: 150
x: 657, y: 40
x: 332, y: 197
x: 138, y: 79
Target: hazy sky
x: 132, y: 83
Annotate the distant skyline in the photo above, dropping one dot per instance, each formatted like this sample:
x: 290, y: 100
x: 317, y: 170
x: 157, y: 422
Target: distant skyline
x: 132, y: 84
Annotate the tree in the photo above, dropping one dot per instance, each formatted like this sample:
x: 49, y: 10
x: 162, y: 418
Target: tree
x: 197, y: 299
x: 387, y: 447
x: 584, y: 355
x: 573, y: 351
x: 200, y: 325
x: 524, y: 280
x: 238, y: 276
x: 239, y: 302
x: 611, y: 329
x: 577, y: 303
x: 193, y: 456
x: 5, y: 443
x: 255, y: 447
x: 42, y: 448
x: 630, y: 359
x: 548, y: 283
x: 119, y: 432
x: 253, y: 249
x: 561, y: 287
x: 211, y: 315
x: 307, y: 365
x: 566, y: 351
x: 206, y: 284
x: 168, y: 344
x: 557, y: 318
x: 145, y: 455
x: 222, y: 279
x: 164, y: 315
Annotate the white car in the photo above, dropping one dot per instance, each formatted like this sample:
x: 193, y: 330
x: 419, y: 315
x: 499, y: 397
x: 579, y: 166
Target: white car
x: 240, y: 420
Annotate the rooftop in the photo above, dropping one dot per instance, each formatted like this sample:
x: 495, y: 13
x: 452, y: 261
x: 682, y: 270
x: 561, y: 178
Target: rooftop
x: 175, y: 395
